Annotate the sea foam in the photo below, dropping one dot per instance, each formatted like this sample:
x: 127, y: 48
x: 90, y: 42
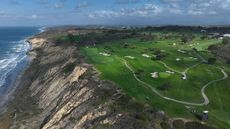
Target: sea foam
x: 13, y: 58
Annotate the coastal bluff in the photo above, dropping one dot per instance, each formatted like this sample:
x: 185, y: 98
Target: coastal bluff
x: 59, y: 90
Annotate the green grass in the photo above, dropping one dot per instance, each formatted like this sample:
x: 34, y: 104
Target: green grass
x: 113, y: 69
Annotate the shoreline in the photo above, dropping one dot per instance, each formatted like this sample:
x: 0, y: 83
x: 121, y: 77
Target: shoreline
x: 7, y: 90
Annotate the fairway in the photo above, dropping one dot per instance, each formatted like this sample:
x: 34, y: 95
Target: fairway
x: 181, y: 77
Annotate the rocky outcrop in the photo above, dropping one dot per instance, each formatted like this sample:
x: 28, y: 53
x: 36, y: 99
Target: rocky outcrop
x: 77, y: 72
x: 36, y: 42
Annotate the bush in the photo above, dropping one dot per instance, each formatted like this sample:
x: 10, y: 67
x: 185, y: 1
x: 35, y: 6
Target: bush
x: 211, y: 60
x: 179, y: 124
x: 228, y: 62
x: 165, y: 125
x: 140, y: 72
x: 71, y: 38
x: 126, y: 45
x: 187, y: 38
x: 69, y: 68
x: 160, y: 56
x: 204, y: 37
x: 226, y: 40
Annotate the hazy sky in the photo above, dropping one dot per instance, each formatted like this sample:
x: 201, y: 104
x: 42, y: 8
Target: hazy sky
x: 113, y: 12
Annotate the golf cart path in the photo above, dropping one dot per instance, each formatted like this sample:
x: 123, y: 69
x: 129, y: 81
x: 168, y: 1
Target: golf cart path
x: 183, y: 73
x: 206, y: 100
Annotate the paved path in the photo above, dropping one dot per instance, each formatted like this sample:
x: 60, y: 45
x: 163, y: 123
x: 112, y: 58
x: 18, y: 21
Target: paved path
x: 206, y: 100
x: 184, y: 73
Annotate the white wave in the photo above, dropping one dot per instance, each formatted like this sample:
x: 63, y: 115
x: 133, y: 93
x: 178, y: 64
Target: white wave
x: 22, y: 46
x: 6, y: 62
x: 42, y: 29
x: 13, y: 58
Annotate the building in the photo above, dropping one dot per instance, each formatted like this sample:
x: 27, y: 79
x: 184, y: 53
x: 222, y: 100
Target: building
x: 205, y: 116
x: 226, y: 35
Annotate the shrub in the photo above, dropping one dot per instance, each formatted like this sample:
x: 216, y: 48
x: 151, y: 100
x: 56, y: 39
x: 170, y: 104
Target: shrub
x: 228, y: 62
x: 179, y: 124
x: 226, y: 40
x: 165, y: 125
x: 211, y: 60
x: 69, y: 68
x: 140, y: 72
x: 187, y: 38
x: 71, y: 38
x: 160, y: 56
x: 126, y: 45
x: 204, y: 37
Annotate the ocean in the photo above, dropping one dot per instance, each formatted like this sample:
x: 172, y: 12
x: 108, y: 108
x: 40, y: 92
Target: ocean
x: 13, y: 49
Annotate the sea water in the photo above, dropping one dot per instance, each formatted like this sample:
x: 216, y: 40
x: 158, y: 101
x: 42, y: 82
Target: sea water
x: 13, y: 49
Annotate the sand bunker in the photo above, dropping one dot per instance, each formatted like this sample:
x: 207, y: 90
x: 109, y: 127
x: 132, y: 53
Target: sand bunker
x: 178, y: 59
x: 184, y: 77
x: 104, y: 54
x: 145, y: 55
x: 170, y: 72
x: 181, y: 51
x: 155, y: 75
x: 130, y: 57
x: 193, y: 58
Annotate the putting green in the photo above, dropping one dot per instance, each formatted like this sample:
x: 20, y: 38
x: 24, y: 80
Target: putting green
x: 164, y: 75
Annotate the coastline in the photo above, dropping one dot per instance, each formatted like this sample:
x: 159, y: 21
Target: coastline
x: 7, y: 90
x: 48, y: 97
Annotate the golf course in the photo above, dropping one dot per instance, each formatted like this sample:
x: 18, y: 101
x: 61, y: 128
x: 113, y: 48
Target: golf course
x: 182, y: 78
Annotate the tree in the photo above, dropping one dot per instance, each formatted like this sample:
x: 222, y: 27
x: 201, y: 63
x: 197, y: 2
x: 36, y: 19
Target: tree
x: 204, y: 37
x: 71, y: 38
x: 187, y: 38
x: 126, y: 45
x: 226, y: 40
x: 194, y: 49
x: 211, y: 60
x: 228, y: 61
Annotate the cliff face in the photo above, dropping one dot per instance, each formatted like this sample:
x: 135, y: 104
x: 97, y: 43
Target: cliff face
x: 60, y: 91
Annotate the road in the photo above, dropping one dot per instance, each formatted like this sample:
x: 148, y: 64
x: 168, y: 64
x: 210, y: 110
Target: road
x: 205, y: 97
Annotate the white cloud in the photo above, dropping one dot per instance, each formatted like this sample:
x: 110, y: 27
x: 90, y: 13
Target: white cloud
x: 103, y: 14
x: 145, y: 11
x: 34, y: 16
x: 58, y: 5
x: 195, y: 12
x: 175, y: 11
x: 3, y: 14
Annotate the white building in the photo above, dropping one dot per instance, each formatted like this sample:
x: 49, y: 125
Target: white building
x: 226, y: 35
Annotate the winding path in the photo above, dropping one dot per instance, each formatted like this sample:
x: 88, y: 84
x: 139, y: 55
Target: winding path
x: 206, y: 100
x: 183, y: 73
